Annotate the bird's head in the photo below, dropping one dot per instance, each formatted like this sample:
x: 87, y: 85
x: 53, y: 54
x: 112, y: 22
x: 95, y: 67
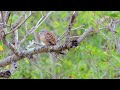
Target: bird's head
x: 43, y: 31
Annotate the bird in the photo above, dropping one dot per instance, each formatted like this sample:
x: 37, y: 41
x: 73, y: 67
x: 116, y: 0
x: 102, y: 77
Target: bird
x: 47, y: 37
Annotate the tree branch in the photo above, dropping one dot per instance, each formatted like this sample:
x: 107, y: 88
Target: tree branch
x: 43, y: 49
x: 6, y: 42
x: 41, y: 20
x: 2, y: 16
x: 20, y: 19
x: 7, y: 15
x: 17, y: 25
x: 70, y: 26
x: 40, y: 49
x: 91, y: 29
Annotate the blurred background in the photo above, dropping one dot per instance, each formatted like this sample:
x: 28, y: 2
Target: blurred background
x: 97, y: 57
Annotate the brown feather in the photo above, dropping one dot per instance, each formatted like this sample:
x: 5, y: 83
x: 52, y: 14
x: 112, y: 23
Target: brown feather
x: 48, y: 38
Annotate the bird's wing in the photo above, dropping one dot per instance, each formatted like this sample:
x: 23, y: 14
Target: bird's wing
x: 50, y: 38
x: 43, y: 39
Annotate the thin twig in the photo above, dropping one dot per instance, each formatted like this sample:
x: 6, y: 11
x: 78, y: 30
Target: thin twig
x: 41, y: 20
x: 77, y: 27
x: 19, y: 24
x: 39, y: 67
x: 42, y: 13
x: 37, y: 44
x: 18, y: 21
x: 61, y: 37
x: 26, y: 27
x: 56, y: 57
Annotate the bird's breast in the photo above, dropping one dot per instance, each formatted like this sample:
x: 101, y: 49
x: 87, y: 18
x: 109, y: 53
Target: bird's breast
x: 43, y: 39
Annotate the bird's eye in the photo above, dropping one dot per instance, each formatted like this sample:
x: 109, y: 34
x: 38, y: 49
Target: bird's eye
x: 43, y: 30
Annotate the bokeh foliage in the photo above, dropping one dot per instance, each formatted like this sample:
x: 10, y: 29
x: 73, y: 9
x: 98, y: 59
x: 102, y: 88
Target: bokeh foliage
x: 95, y: 57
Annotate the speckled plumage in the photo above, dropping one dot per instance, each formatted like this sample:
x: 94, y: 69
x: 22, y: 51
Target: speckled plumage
x: 47, y: 37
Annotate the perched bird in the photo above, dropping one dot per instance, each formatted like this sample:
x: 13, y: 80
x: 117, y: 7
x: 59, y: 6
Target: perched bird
x: 47, y: 37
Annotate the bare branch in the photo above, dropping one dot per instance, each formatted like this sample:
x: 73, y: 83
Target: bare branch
x: 62, y: 36
x: 20, y: 19
x: 43, y: 49
x: 7, y: 15
x: 67, y: 34
x: 40, y: 48
x: 2, y: 16
x: 19, y: 25
x: 100, y: 21
x: 23, y: 54
x: 1, y: 30
x: 42, y: 13
x: 15, y: 43
x: 6, y: 42
x: 78, y: 27
x: 14, y: 49
x: 41, y: 20
x: 26, y: 25
x: 112, y: 25
x: 86, y: 33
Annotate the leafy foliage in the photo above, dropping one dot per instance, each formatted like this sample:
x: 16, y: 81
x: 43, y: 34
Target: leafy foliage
x: 95, y: 57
